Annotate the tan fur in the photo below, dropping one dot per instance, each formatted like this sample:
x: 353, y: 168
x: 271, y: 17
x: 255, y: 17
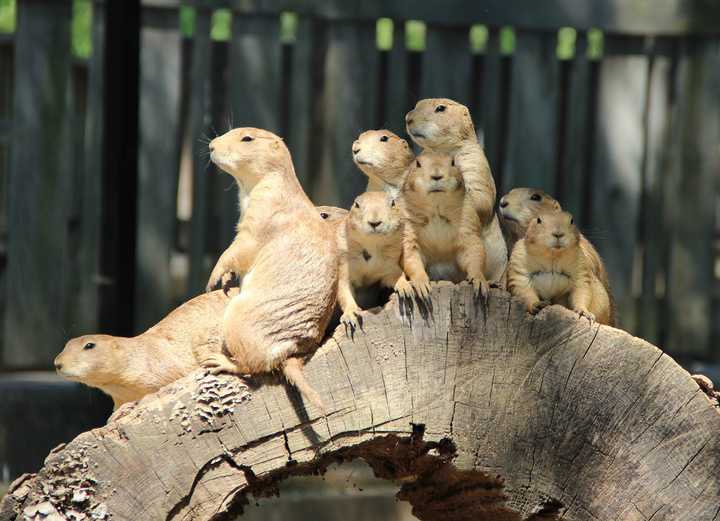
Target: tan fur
x: 129, y: 368
x: 370, y: 254
x: 441, y: 225
x: 522, y: 205
x: 286, y: 253
x: 443, y: 125
x: 548, y: 266
x: 383, y: 157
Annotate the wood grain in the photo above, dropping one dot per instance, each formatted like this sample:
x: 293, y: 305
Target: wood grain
x: 481, y: 412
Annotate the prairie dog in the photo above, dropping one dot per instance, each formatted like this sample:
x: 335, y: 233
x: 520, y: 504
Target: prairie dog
x: 383, y: 157
x: 441, y: 225
x: 287, y: 255
x: 522, y: 205
x: 370, y: 245
x: 129, y: 368
x: 548, y: 266
x: 444, y: 125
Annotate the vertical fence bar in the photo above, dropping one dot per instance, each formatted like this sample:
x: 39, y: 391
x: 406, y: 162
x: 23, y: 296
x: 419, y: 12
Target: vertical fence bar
x: 691, y: 195
x: 447, y: 64
x: 200, y: 130
x: 618, y: 167
x: 158, y: 158
x: 349, y: 104
x: 533, y: 104
x: 39, y: 185
x: 398, y: 100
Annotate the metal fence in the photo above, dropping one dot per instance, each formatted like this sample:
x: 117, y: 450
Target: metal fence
x: 627, y: 138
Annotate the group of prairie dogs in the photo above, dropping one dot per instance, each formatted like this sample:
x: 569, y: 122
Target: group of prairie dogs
x: 425, y: 217
x: 432, y: 217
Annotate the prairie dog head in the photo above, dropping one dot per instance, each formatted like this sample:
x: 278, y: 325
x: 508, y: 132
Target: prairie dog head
x: 433, y: 174
x: 521, y: 205
x: 551, y: 232
x: 374, y: 214
x: 248, y: 154
x: 440, y: 124
x: 332, y: 214
x: 383, y: 155
x: 91, y: 359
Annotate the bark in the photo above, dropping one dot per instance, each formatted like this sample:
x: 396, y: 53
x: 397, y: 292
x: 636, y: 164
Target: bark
x: 478, y: 412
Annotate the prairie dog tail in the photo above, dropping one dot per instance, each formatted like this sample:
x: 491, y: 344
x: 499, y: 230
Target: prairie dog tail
x: 292, y: 368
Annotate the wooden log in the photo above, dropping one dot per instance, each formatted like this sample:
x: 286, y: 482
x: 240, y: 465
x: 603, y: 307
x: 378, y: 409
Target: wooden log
x: 479, y: 412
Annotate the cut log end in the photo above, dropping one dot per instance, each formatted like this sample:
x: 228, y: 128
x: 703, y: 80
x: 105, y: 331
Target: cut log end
x: 477, y: 411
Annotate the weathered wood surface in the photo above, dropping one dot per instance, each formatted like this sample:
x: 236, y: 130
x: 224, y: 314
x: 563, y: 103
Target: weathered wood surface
x: 479, y: 412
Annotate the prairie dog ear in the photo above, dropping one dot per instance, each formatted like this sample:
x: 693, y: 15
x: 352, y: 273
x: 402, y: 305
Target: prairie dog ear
x: 275, y: 145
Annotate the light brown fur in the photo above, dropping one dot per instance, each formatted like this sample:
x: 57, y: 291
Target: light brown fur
x: 441, y: 224
x: 384, y: 158
x: 370, y: 246
x: 443, y: 125
x: 522, y: 205
x: 287, y: 255
x: 129, y: 368
x: 548, y: 266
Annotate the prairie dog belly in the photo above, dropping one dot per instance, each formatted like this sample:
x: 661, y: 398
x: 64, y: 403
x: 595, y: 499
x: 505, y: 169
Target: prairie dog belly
x: 368, y: 272
x: 550, y: 284
x: 437, y: 240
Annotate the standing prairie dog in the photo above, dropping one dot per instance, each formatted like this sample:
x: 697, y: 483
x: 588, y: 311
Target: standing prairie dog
x: 384, y: 158
x: 441, y: 224
x: 444, y: 125
x: 549, y: 266
x: 520, y: 206
x: 129, y: 368
x: 370, y: 245
x: 287, y: 255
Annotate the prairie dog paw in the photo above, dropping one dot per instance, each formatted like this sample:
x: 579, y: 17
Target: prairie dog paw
x: 217, y: 363
x: 404, y: 289
x: 481, y: 288
x: 352, y: 322
x: 585, y: 313
x: 535, y: 307
x: 421, y: 287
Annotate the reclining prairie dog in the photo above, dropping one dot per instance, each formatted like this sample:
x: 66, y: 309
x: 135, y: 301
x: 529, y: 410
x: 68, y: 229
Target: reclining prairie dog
x: 384, y: 158
x: 370, y: 246
x: 549, y: 266
x: 441, y: 224
x: 287, y: 255
x: 129, y: 368
x: 443, y: 125
x: 522, y: 205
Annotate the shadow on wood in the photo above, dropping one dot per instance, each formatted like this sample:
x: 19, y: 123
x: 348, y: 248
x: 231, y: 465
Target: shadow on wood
x: 480, y: 412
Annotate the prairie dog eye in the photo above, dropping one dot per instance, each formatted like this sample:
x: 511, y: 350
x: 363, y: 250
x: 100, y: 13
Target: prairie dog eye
x: 452, y: 163
x: 247, y: 139
x: 356, y: 205
x: 440, y: 108
x: 324, y: 215
x: 89, y: 345
x: 535, y: 197
x: 572, y: 220
x: 417, y: 164
x: 539, y: 221
x: 384, y: 138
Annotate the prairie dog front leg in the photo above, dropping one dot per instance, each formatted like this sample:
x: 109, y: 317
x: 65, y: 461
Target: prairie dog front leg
x: 237, y: 259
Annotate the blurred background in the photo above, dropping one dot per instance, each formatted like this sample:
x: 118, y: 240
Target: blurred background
x: 110, y: 214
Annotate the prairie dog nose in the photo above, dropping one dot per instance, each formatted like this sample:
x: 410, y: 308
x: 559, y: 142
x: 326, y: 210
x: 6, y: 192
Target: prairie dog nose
x: 374, y: 224
x: 211, y: 147
x: 503, y: 203
x: 558, y: 235
x: 58, y: 365
x: 436, y: 177
x: 356, y: 150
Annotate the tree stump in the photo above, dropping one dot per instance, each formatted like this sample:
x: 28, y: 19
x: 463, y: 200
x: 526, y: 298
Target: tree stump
x: 479, y: 412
